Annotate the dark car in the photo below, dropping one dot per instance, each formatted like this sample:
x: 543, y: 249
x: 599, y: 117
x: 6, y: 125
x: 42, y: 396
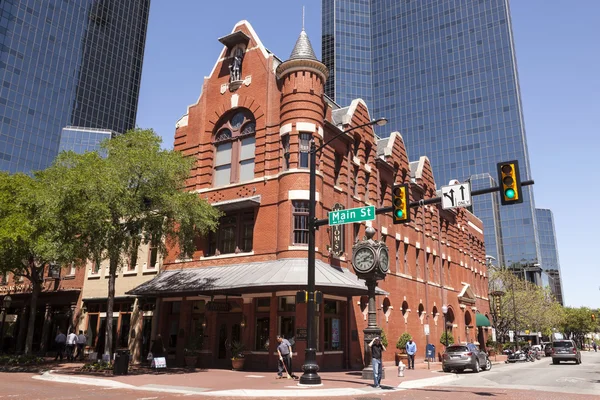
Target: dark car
x: 459, y: 357
x: 565, y: 350
x: 548, y: 349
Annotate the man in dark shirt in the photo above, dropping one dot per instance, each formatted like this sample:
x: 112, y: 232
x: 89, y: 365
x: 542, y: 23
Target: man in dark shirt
x: 377, y: 349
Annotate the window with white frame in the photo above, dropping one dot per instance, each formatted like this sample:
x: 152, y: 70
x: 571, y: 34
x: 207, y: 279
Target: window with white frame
x: 300, y: 215
x: 304, y: 149
x: 235, y: 149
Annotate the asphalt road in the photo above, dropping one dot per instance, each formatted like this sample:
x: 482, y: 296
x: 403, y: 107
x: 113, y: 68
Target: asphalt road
x: 541, y: 375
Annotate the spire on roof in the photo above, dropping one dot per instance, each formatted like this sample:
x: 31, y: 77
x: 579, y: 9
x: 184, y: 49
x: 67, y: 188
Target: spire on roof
x: 303, y: 49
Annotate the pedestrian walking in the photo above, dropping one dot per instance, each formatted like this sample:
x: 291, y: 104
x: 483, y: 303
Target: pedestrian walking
x: 377, y: 349
x: 284, y: 351
x: 60, y: 340
x: 71, y: 345
x: 595, y: 346
x: 411, y: 350
x: 81, y: 342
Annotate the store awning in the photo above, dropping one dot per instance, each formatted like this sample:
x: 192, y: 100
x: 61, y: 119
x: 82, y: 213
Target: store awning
x: 258, y: 277
x: 482, y: 320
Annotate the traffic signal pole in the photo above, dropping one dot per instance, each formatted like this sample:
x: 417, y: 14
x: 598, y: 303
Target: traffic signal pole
x: 384, y: 210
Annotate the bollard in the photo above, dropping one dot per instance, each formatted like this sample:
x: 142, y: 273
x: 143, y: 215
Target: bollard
x: 401, y: 369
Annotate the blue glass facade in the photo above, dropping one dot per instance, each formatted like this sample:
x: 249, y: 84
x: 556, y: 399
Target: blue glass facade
x: 81, y: 140
x: 66, y: 63
x: 444, y: 74
x: 549, y: 250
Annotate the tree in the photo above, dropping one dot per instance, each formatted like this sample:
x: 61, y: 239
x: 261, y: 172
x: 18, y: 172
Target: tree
x: 135, y: 195
x: 26, y: 236
x: 523, y: 305
x: 577, y: 323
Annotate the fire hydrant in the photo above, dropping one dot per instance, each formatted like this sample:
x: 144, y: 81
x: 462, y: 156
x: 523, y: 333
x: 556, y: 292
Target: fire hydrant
x: 401, y: 367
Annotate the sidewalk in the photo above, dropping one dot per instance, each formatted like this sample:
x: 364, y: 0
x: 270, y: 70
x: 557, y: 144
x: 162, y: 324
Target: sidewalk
x: 219, y: 382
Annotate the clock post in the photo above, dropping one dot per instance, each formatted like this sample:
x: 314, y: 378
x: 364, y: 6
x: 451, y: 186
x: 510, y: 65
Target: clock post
x: 370, y: 259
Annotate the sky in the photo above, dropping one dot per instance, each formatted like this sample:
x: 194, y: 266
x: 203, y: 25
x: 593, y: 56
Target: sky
x: 558, y: 56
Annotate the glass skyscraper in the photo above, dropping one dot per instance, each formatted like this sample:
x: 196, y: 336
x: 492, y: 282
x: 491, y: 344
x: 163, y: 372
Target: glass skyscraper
x: 66, y: 63
x: 549, y: 250
x: 444, y: 73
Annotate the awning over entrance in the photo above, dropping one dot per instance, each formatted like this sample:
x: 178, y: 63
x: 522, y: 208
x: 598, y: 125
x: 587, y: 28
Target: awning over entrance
x: 258, y: 277
x: 482, y: 320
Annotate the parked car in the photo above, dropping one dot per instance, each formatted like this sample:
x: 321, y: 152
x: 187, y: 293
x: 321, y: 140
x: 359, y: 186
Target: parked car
x: 565, y: 350
x: 548, y: 349
x: 459, y: 357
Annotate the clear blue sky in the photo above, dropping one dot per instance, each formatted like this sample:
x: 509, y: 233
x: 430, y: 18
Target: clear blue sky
x: 558, y: 58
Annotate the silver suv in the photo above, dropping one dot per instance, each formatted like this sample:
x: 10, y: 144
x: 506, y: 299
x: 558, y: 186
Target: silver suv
x: 459, y: 357
x: 565, y: 350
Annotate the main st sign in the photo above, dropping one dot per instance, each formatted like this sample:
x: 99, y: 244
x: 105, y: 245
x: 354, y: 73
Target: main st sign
x: 338, y: 217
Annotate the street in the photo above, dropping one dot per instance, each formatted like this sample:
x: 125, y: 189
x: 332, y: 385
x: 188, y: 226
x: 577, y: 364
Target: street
x: 539, y: 380
x: 566, y: 377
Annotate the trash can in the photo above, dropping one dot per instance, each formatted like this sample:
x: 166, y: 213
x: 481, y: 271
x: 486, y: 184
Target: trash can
x: 121, y: 364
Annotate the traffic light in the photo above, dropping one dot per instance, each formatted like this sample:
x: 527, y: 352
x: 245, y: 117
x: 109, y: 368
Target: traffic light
x: 401, y: 213
x: 510, y: 182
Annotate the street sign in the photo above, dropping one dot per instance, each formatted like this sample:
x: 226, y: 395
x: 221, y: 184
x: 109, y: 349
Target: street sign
x: 338, y: 217
x: 454, y: 196
x: 426, y: 327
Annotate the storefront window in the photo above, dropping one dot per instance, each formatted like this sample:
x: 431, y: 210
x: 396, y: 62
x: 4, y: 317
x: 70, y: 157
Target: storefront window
x: 332, y: 328
x: 287, y: 304
x: 92, y: 329
x: 263, y: 304
x: 262, y: 334
x: 124, y: 331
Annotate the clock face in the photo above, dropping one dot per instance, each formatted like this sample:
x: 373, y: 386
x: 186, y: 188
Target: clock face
x: 384, y: 260
x: 364, y: 260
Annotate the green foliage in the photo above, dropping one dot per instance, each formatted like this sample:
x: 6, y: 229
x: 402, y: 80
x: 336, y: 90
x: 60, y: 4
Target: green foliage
x: 523, y: 305
x: 402, y: 340
x: 383, y: 337
x: 194, y: 345
x: 97, y: 366
x: 20, y: 360
x: 578, y: 322
x: 136, y: 195
x: 450, y: 338
x: 237, y: 349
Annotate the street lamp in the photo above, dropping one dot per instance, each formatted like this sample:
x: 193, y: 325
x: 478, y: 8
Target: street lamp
x: 445, y: 311
x: 310, y: 367
x: 6, y: 302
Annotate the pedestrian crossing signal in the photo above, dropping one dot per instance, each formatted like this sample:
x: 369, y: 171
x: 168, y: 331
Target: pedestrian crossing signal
x: 510, y: 182
x: 401, y: 210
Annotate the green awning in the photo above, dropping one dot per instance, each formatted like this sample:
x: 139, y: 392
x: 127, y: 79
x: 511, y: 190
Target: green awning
x: 482, y: 320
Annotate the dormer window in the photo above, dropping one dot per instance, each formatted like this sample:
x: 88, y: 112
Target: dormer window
x: 234, y: 142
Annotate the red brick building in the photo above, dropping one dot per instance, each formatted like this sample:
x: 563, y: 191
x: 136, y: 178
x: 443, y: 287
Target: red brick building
x: 58, y: 307
x: 250, y: 132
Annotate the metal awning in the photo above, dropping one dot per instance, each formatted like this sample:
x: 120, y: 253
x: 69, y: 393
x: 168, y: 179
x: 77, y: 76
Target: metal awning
x: 482, y: 320
x: 238, y: 204
x: 258, y: 277
x: 234, y: 38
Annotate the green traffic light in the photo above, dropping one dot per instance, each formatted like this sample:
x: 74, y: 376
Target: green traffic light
x: 510, y: 193
x: 399, y: 213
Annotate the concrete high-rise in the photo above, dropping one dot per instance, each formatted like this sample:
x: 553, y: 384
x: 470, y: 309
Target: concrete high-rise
x: 66, y: 64
x: 444, y: 73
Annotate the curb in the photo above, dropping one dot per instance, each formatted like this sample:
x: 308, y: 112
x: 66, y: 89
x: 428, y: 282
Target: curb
x: 292, y: 392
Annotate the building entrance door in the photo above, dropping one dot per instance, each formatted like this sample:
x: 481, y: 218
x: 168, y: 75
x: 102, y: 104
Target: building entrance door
x: 228, y: 331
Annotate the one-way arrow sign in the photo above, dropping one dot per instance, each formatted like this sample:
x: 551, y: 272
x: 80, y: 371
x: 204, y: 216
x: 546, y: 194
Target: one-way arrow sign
x: 454, y: 196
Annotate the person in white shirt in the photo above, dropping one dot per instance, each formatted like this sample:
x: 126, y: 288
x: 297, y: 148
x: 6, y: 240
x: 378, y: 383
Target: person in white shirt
x: 71, y: 343
x: 60, y: 341
x: 81, y: 341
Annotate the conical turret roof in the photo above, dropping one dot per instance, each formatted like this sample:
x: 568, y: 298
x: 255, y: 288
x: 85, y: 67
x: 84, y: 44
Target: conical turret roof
x: 303, y: 49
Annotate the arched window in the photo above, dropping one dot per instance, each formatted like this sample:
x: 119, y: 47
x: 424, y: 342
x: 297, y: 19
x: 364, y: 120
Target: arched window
x: 234, y: 149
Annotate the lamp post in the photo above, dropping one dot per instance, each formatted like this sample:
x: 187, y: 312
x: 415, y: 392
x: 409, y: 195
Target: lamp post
x: 445, y: 311
x: 6, y: 302
x: 310, y: 367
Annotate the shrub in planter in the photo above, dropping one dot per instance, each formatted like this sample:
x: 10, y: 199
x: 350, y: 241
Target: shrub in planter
x: 449, y: 336
x: 401, y: 347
